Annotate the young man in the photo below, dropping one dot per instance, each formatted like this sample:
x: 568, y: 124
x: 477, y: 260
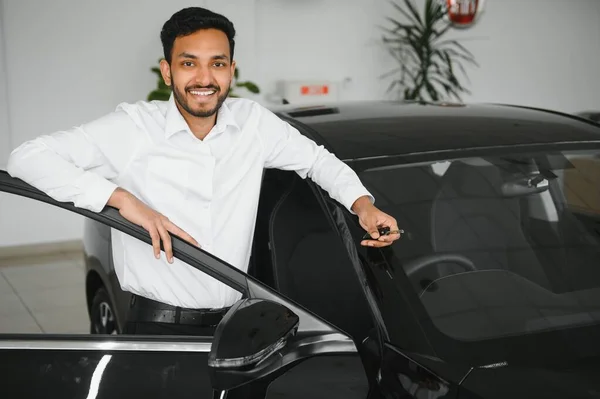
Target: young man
x: 190, y: 166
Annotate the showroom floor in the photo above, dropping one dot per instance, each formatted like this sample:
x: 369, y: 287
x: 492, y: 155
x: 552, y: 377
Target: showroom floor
x: 43, y: 294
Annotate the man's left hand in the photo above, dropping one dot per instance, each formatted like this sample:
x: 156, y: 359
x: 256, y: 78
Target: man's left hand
x: 372, y: 219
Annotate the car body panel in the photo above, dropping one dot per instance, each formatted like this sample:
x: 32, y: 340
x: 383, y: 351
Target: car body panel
x: 591, y: 115
x: 183, y: 374
x: 561, y: 381
x: 379, y: 129
x: 81, y: 374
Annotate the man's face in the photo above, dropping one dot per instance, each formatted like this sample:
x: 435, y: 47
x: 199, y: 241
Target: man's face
x: 200, y: 72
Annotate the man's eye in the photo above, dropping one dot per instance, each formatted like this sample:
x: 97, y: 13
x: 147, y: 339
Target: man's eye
x: 188, y: 63
x: 219, y: 64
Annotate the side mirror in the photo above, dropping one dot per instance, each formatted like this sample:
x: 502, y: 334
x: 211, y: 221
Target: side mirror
x: 248, y: 337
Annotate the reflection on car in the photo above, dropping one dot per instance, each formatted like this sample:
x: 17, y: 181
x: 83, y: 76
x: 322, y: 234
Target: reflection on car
x: 493, y: 291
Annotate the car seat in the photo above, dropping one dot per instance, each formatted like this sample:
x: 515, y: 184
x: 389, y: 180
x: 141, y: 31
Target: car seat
x: 473, y: 216
x: 311, y: 265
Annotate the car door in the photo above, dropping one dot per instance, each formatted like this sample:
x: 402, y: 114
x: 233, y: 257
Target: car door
x: 98, y: 366
x: 79, y: 365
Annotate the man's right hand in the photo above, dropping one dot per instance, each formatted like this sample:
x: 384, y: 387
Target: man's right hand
x: 158, y: 225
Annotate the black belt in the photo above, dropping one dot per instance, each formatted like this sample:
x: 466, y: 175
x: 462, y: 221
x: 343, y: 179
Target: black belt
x: 146, y: 310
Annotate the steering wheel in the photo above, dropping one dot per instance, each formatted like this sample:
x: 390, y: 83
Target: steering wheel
x: 422, y: 262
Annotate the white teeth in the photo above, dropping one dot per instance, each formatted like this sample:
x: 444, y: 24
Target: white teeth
x: 202, y: 93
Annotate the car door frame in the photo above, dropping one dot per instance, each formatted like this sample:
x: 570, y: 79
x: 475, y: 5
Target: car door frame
x: 323, y: 337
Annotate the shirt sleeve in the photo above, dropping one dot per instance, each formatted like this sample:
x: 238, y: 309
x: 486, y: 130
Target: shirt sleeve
x: 79, y: 165
x: 286, y: 148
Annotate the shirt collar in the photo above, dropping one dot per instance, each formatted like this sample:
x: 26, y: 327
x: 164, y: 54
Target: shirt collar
x: 175, y: 122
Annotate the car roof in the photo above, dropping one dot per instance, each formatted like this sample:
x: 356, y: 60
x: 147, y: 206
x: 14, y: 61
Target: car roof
x: 366, y: 129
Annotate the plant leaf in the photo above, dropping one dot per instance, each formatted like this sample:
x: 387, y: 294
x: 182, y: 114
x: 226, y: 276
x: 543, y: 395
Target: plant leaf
x: 162, y: 95
x: 251, y: 86
x: 399, y: 26
x: 413, y: 10
x: 411, y: 17
x: 390, y: 73
x: 454, y: 43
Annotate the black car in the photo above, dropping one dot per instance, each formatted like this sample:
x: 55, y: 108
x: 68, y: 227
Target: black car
x: 592, y: 115
x: 493, y: 291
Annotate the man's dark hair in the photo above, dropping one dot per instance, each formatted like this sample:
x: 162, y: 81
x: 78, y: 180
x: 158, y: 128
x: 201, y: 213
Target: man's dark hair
x: 190, y: 20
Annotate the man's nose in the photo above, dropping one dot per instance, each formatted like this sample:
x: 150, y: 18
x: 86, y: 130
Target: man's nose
x: 203, y: 77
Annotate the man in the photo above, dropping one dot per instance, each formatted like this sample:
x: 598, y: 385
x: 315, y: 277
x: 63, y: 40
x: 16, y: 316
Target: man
x: 190, y: 166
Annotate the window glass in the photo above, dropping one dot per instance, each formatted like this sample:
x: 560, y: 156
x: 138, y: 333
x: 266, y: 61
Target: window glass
x: 313, y: 267
x: 500, y: 246
x: 42, y: 280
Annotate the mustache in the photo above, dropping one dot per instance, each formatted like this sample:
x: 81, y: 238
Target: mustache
x: 196, y: 87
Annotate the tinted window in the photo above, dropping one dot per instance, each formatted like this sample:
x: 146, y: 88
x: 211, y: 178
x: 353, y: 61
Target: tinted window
x: 312, y: 265
x: 497, y: 247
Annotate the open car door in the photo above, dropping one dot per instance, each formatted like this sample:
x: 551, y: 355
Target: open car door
x: 261, y: 337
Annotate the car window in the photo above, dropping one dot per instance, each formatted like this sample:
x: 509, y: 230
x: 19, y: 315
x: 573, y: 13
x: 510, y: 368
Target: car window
x: 497, y: 247
x: 42, y: 285
x: 310, y: 262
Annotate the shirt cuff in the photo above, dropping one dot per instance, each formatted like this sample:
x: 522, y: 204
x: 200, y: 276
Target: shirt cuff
x: 351, y: 194
x: 95, y: 192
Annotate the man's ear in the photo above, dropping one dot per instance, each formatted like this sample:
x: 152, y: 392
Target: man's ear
x: 165, y: 70
x: 233, y: 64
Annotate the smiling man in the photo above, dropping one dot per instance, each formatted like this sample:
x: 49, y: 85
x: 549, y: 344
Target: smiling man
x: 191, y: 166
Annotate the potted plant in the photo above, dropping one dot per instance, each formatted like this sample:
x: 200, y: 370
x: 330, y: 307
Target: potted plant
x: 163, y: 92
x: 427, y: 63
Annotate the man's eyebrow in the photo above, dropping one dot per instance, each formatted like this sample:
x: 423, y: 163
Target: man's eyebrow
x: 193, y: 57
x: 187, y: 55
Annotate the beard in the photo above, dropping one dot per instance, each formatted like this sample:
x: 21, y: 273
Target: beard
x: 183, y: 102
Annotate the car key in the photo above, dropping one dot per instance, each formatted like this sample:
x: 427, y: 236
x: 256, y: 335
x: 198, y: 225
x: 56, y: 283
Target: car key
x: 383, y: 231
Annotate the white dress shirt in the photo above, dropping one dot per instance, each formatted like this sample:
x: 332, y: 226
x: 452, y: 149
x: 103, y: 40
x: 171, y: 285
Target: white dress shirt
x: 210, y: 188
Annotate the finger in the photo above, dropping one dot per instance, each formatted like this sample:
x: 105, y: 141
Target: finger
x: 166, y: 239
x: 155, y: 241
x: 373, y: 231
x: 375, y: 244
x: 394, y: 231
x: 389, y: 223
x: 173, y: 228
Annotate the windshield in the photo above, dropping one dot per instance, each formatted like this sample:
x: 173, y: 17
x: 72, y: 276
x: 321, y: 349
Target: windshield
x: 496, y: 247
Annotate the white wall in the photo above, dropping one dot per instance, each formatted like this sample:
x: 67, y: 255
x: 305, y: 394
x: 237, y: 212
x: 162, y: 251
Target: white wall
x: 543, y: 53
x: 69, y: 61
x: 4, y: 125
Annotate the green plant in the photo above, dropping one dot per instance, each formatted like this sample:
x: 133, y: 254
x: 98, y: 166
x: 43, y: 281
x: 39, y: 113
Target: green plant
x: 248, y: 85
x: 163, y: 92
x: 427, y: 64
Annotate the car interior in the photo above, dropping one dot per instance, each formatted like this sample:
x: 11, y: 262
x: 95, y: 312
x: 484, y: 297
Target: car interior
x: 531, y: 262
x: 303, y: 257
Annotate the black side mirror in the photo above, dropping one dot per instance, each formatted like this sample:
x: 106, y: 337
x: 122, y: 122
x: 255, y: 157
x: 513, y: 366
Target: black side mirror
x: 248, y: 337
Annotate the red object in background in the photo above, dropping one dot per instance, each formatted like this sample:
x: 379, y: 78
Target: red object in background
x: 463, y: 12
x: 314, y: 90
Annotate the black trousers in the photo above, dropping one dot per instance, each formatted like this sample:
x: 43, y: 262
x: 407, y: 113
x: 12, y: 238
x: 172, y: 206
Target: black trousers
x: 138, y: 323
